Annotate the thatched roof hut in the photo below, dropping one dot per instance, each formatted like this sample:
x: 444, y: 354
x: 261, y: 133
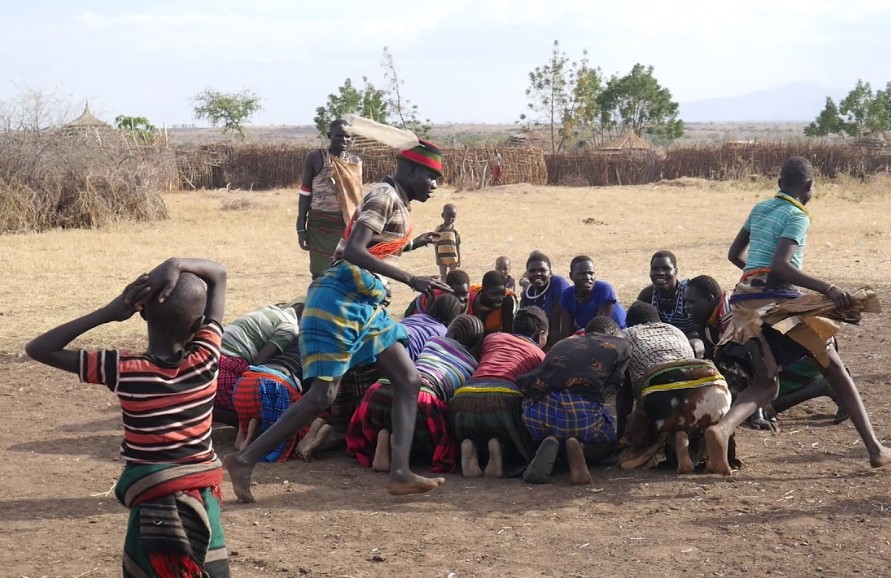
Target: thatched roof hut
x: 89, y: 127
x: 627, y: 141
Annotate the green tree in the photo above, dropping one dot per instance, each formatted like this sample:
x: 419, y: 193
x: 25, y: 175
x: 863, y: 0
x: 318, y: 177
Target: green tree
x: 136, y: 127
x: 563, y: 96
x: 637, y: 102
x: 827, y: 122
x: 860, y: 113
x: 403, y: 113
x: 368, y: 101
x: 231, y: 110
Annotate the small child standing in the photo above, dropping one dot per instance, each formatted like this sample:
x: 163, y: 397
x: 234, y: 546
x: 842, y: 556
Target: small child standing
x: 172, y: 479
x: 448, y: 246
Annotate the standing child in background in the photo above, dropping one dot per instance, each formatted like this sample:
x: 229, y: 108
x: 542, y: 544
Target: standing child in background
x: 448, y: 246
x: 502, y: 265
x: 171, y: 482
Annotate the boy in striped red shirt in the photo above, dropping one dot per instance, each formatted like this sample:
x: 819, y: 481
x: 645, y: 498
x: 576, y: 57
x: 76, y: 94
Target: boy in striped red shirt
x: 172, y: 479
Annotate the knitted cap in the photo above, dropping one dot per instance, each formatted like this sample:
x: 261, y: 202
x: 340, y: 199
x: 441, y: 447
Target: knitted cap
x: 426, y: 154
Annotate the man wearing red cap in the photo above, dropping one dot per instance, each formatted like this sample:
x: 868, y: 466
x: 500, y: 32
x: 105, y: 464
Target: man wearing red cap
x: 344, y: 322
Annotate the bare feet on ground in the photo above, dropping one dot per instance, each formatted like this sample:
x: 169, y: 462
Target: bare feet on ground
x: 401, y: 485
x: 240, y: 474
x: 310, y: 442
x: 716, y: 442
x: 381, y: 461
x: 882, y: 458
x: 470, y: 463
x: 682, y: 451
x: 578, y: 467
x: 495, y: 467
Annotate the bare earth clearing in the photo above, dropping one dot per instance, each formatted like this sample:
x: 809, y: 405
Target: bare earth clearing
x: 805, y: 504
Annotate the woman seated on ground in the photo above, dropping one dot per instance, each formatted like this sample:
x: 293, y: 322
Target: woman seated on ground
x: 495, y: 305
x: 488, y: 409
x: 423, y: 326
x: 460, y: 284
x: 544, y: 290
x: 676, y: 397
x: 586, y: 299
x: 564, y: 401
x: 444, y: 364
x: 253, y: 339
x: 666, y: 294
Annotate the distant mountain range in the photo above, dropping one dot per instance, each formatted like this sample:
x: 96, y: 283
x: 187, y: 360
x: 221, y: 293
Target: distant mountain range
x: 801, y: 101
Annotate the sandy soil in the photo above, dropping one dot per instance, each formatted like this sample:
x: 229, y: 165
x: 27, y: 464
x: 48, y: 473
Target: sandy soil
x: 805, y: 504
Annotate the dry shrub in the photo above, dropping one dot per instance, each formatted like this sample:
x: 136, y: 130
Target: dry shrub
x: 238, y: 204
x: 79, y: 179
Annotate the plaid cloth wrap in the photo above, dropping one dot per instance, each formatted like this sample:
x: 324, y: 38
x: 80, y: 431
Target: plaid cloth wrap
x: 569, y: 415
x: 491, y: 408
x: 344, y: 323
x: 432, y: 443
x: 265, y: 394
x: 352, y: 388
x: 231, y: 369
x: 174, y: 528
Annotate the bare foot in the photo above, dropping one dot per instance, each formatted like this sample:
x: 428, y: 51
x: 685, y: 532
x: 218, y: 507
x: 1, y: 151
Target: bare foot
x: 716, y: 443
x: 682, y: 452
x: 381, y: 461
x: 303, y: 450
x: 240, y: 474
x: 401, y: 485
x: 321, y: 438
x: 882, y: 458
x: 495, y: 467
x: 470, y: 463
x: 578, y: 467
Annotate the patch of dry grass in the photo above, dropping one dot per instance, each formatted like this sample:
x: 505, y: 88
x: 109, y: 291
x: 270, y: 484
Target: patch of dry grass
x: 54, y: 276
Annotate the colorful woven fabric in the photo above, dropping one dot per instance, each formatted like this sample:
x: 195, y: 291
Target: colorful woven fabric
x: 491, y: 408
x: 264, y: 394
x: 324, y: 230
x: 231, y: 368
x: 421, y: 328
x: 352, y: 389
x: 564, y: 414
x: 432, y: 443
x: 344, y: 323
x: 174, y: 528
x: 425, y: 154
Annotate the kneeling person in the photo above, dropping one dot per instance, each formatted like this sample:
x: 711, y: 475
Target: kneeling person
x: 564, y: 400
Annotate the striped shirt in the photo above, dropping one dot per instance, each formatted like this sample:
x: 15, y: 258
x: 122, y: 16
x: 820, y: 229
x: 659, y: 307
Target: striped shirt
x: 167, y: 406
x: 247, y: 335
x: 384, y: 210
x: 770, y: 221
x: 421, y: 327
x: 444, y: 365
x: 447, y: 246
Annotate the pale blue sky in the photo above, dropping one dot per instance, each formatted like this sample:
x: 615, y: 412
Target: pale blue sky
x: 462, y: 60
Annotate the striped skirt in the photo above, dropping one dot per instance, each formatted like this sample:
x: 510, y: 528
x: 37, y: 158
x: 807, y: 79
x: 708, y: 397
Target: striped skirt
x: 567, y: 415
x: 344, y: 323
x: 432, y: 443
x: 486, y: 409
x: 323, y: 232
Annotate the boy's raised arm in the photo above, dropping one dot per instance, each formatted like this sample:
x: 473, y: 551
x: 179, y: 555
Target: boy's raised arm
x: 49, y: 348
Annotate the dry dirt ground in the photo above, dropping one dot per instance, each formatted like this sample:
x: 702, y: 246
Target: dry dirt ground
x: 805, y: 504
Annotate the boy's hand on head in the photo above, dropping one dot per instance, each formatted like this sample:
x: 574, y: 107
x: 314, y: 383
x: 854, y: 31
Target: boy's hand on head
x: 162, y: 280
x: 138, y: 292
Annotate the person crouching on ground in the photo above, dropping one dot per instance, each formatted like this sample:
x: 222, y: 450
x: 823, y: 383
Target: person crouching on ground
x: 565, y: 396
